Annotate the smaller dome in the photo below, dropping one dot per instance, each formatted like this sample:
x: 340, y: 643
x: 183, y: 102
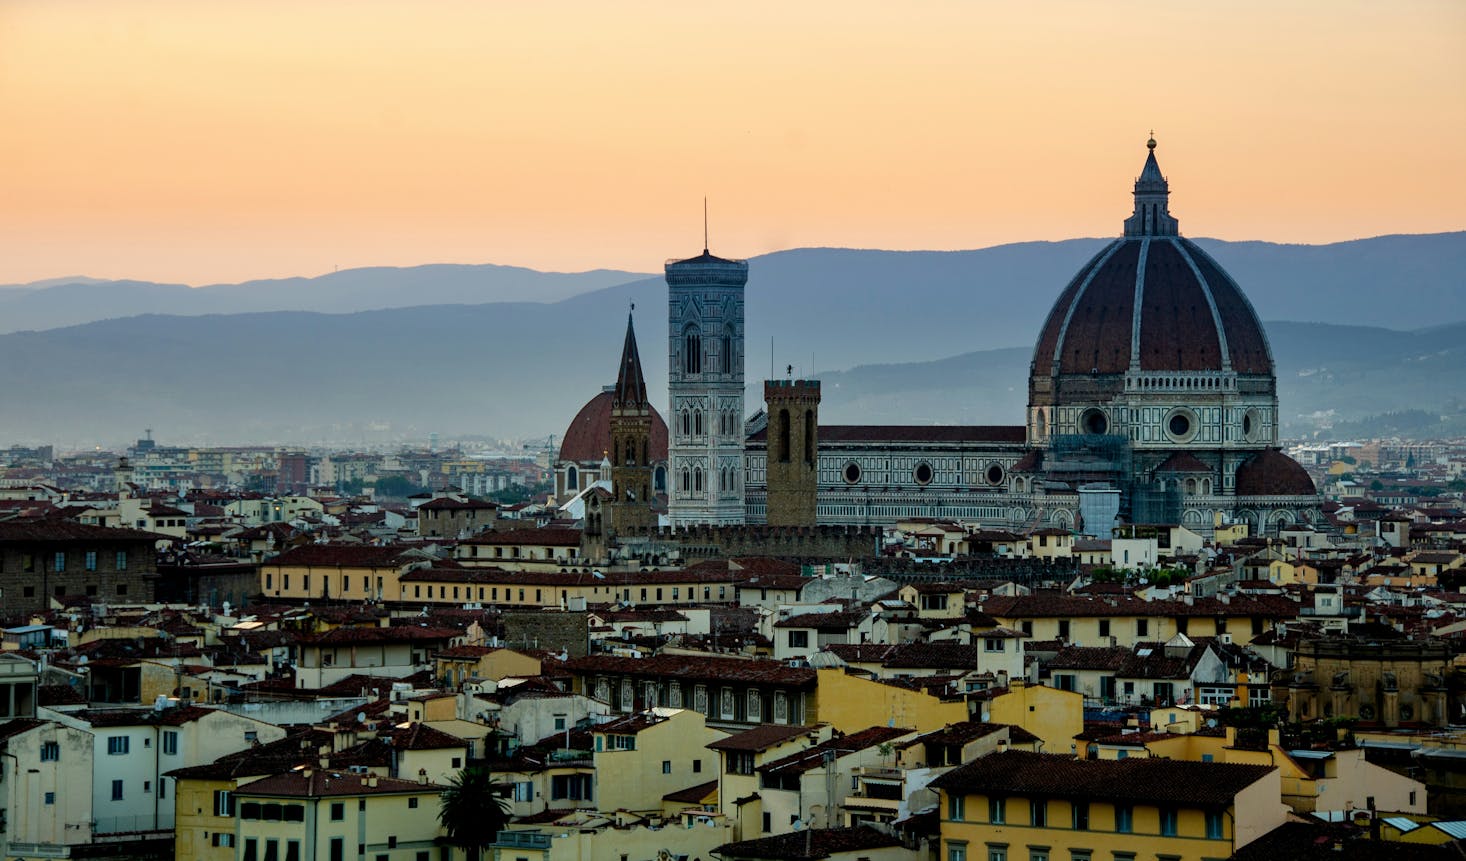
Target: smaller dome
x: 1272, y: 473
x: 588, y: 438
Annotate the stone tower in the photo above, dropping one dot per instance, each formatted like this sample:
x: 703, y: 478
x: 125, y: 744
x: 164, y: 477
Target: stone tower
x: 631, y: 439
x: 705, y: 334
x: 793, y: 451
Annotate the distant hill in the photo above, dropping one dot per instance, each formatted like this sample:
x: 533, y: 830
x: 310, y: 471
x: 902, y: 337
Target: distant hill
x: 1326, y: 375
x: 523, y: 369
x: 897, y: 336
x: 70, y: 301
x: 927, y: 303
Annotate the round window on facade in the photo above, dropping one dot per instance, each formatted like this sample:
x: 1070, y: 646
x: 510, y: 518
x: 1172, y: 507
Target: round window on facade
x: 1181, y: 425
x: 852, y: 472
x: 1251, y: 425
x: 1094, y: 422
x: 995, y: 474
x: 922, y: 473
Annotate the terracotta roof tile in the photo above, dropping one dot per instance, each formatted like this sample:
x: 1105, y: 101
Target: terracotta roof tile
x: 1139, y: 780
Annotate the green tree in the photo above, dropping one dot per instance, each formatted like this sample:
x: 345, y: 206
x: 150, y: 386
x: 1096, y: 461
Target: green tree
x: 473, y: 810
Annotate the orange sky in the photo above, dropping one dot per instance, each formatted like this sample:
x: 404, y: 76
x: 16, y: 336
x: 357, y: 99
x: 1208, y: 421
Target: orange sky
x: 197, y: 141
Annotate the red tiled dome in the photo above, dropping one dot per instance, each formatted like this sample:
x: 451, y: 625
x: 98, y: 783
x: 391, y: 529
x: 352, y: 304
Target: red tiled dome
x: 589, y: 436
x: 1151, y: 301
x: 1188, y: 308
x: 1272, y: 473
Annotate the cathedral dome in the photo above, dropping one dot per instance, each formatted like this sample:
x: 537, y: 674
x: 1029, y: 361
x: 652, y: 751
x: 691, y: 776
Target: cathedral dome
x: 589, y: 436
x: 1272, y: 473
x: 1151, y: 302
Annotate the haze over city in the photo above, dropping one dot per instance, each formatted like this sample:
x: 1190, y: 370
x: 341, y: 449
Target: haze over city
x: 206, y: 142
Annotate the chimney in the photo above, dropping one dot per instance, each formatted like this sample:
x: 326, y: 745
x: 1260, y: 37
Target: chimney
x: 422, y: 776
x: 372, y: 781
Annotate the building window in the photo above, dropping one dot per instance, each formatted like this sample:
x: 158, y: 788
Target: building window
x: 252, y: 850
x: 1142, y: 627
x: 798, y: 639
x: 50, y: 798
x: 992, y: 644
x: 338, y: 811
x: 338, y: 849
x: 997, y: 853
x: 1038, y: 813
x: 91, y: 560
x: 170, y: 743
x: 1080, y: 817
x: 691, y: 349
x: 1213, y: 825
x: 117, y: 744
x: 51, y: 752
x: 60, y: 561
x: 997, y: 810
x: 412, y: 803
x: 1168, y: 822
x: 116, y: 790
x: 666, y: 766
x: 956, y: 807
x: 1124, y: 818
x: 956, y: 851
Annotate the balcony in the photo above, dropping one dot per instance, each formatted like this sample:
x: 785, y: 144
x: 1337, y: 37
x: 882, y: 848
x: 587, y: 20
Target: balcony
x: 876, y: 789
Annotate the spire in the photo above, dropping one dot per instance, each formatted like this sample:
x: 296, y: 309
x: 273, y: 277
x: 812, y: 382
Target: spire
x: 630, y: 384
x: 1152, y: 214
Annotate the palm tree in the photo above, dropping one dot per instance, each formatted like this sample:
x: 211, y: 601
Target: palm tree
x: 473, y: 810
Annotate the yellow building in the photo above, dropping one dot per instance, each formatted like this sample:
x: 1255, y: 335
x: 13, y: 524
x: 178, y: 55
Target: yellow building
x: 642, y: 757
x: 851, y: 704
x: 321, y: 815
x: 506, y: 586
x: 740, y: 757
x: 339, y: 571
x: 1016, y: 806
x: 203, y: 795
x: 1093, y: 620
x: 1055, y: 716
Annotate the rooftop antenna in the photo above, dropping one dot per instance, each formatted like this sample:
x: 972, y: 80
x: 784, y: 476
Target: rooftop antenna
x: 704, y: 224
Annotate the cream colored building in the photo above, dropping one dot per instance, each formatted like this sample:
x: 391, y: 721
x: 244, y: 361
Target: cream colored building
x: 45, y: 788
x: 316, y: 814
x: 643, y: 756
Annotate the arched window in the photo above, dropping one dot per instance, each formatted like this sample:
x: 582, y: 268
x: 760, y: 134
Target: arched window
x: 686, y: 480
x: 782, y: 444
x: 697, y: 422
x: 809, y: 436
x: 727, y: 348
x: 1191, y: 486
x: 630, y: 453
x: 691, y: 349
x: 686, y: 423
x: 697, y: 479
x: 660, y: 479
x: 572, y: 479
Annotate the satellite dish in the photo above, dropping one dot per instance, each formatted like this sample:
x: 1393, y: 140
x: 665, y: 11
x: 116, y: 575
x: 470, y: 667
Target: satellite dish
x: 361, y: 717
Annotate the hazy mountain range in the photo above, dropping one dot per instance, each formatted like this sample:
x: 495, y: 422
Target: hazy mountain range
x: 898, y: 336
x: 69, y: 301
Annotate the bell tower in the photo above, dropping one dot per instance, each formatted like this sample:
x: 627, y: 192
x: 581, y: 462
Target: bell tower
x: 792, y: 455
x: 631, y: 441
x: 705, y: 378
